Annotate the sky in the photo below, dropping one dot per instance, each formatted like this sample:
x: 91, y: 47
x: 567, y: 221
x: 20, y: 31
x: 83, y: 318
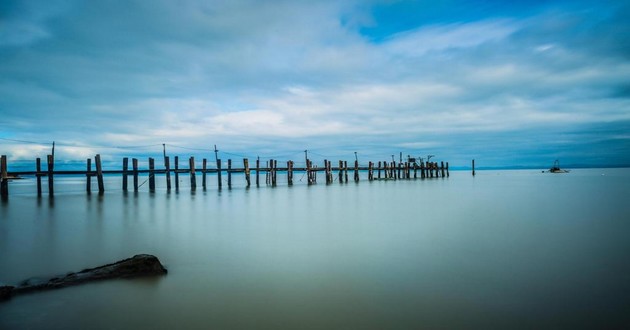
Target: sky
x: 507, y: 83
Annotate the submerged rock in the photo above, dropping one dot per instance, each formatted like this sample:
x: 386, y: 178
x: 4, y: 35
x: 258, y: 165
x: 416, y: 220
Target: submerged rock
x: 138, y: 265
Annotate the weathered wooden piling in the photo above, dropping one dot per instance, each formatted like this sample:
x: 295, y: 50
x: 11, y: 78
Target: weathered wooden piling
x: 422, y: 170
x: 340, y: 171
x: 309, y: 178
x: 167, y: 169
x: 447, y: 173
x: 274, y: 172
x: 473, y: 167
x: 379, y: 170
x: 134, y: 167
x: 345, y: 170
x: 151, y: 175
x: 246, y: 169
x: 290, y: 173
x: 356, y: 171
x: 229, y: 173
x: 88, y: 176
x: 193, y: 179
x: 167, y: 172
x: 443, y: 169
x: 124, y: 173
x: 176, y: 173
x: 38, y: 175
x: 99, y: 174
x: 258, y: 172
x: 204, y: 166
x: 220, y: 184
x: 4, y: 178
x: 50, y: 161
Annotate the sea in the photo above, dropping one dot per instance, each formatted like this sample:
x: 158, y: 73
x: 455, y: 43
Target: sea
x: 504, y: 249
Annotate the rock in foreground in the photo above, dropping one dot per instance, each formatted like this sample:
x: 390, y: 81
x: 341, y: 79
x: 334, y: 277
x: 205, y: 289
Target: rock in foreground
x: 136, y: 266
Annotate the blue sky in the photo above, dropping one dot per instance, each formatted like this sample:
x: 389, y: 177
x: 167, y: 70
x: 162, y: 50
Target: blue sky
x: 507, y: 83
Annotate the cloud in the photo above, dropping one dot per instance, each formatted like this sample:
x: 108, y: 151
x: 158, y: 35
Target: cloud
x: 300, y: 74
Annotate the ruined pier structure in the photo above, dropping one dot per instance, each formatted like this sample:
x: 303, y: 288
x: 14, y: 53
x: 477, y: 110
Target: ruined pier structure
x: 382, y: 170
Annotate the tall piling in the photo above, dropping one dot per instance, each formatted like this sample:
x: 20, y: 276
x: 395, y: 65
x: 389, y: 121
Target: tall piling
x: 151, y: 175
x: 99, y: 174
x: 247, y: 174
x: 204, y: 166
x: 50, y: 161
x: 193, y: 179
x: 4, y: 178
x: 229, y: 173
x: 125, y: 166
x: 134, y: 166
x: 290, y: 172
x: 88, y: 177
x: 258, y: 172
x: 38, y: 174
x: 219, y: 183
x: 176, y: 173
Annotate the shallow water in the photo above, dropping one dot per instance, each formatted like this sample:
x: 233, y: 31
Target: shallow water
x: 508, y: 249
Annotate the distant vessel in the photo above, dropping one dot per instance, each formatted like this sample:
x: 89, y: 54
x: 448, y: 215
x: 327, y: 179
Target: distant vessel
x: 556, y: 168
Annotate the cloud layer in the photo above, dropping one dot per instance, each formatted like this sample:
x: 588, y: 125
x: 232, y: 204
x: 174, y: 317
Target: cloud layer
x: 518, y: 85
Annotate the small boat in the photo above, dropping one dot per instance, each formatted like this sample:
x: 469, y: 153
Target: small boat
x: 556, y: 168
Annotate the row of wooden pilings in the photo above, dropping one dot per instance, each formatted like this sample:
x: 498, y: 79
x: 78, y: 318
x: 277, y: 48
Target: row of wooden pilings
x: 376, y: 171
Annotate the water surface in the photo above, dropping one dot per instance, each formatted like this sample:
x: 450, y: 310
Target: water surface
x: 505, y: 249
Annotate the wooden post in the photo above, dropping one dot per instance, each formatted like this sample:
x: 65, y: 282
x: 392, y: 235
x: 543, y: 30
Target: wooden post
x: 370, y: 173
x: 167, y: 168
x: 38, y: 169
x: 415, y: 170
x: 345, y: 170
x: 229, y: 173
x: 193, y: 179
x: 379, y: 170
x: 219, y: 174
x: 258, y: 172
x: 88, y: 174
x: 290, y: 173
x: 134, y: 166
x: 274, y: 171
x: 151, y: 175
x: 308, y: 172
x: 50, y: 161
x: 4, y: 178
x: 204, y: 166
x: 99, y: 174
x: 422, y: 176
x: 267, y: 172
x: 447, y: 173
x: 124, y: 173
x: 356, y: 171
x: 176, y: 173
x: 247, y: 173
x: 473, y: 167
x: 330, y: 173
x: 442, y: 169
x: 341, y: 171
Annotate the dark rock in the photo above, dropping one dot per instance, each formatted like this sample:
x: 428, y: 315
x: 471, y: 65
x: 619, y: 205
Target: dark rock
x: 136, y: 266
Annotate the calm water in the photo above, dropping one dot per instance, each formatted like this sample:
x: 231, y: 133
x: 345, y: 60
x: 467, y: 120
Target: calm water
x: 506, y: 249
